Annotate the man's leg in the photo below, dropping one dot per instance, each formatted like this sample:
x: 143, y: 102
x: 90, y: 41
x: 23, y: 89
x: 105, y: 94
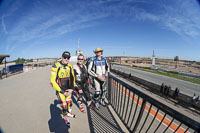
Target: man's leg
x: 80, y: 97
x: 69, y: 103
x: 64, y: 108
x: 76, y: 91
x: 103, y: 92
x: 59, y: 100
x: 87, y: 94
x: 91, y: 82
x: 97, y: 93
x: 80, y: 102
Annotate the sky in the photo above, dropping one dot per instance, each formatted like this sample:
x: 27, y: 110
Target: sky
x: 36, y: 29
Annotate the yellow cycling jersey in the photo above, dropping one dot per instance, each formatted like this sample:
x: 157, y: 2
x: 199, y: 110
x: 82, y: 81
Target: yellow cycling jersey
x: 62, y: 77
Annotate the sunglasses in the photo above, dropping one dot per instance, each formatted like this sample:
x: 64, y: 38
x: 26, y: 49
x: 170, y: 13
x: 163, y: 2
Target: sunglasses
x: 66, y: 58
x: 80, y: 59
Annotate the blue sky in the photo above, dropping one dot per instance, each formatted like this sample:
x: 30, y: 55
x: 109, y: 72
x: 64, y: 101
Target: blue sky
x: 36, y: 29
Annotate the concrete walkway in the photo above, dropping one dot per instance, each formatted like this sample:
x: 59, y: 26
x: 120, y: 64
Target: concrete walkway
x: 28, y: 104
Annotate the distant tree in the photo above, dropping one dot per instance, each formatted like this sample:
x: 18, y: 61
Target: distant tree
x: 19, y: 61
x: 22, y: 60
x: 29, y: 60
x: 176, y: 58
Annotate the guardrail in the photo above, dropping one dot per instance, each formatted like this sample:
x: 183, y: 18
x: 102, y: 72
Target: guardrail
x: 141, y: 113
x: 12, y: 69
x: 155, y: 88
x: 18, y: 68
x: 184, y: 74
x: 15, y: 68
x: 163, y: 70
x: 2, y: 73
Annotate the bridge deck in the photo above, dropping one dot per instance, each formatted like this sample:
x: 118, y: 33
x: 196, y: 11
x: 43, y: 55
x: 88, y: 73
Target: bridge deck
x: 28, y: 103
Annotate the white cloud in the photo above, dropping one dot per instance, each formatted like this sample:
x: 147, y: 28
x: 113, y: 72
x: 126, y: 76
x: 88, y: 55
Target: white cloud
x: 143, y: 15
x: 41, y: 22
x: 34, y: 26
x: 3, y: 25
x: 182, y: 19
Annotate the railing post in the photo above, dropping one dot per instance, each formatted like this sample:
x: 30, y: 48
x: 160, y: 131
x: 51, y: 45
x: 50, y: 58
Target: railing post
x: 5, y: 68
x: 109, y: 88
x: 140, y: 115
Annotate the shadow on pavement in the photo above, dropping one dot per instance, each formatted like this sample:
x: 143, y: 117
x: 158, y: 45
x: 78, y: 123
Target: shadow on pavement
x: 1, y: 131
x: 56, y: 123
x: 102, y: 120
x: 74, y: 99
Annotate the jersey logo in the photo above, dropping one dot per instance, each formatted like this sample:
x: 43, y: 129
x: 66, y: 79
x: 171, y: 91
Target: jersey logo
x: 62, y: 75
x: 68, y: 73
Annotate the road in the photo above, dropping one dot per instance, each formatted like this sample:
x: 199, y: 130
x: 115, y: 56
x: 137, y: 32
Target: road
x: 185, y: 87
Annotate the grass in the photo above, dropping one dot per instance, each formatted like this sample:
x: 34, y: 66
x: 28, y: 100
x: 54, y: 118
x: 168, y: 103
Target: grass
x: 171, y: 74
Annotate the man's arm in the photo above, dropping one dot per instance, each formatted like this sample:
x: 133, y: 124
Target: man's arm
x: 72, y: 77
x: 54, y: 84
x: 90, y: 71
x: 75, y: 72
x: 107, y: 68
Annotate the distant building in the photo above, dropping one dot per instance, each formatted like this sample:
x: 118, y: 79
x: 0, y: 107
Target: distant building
x: 153, y: 60
x: 79, y: 52
x: 74, y: 58
x: 153, y: 65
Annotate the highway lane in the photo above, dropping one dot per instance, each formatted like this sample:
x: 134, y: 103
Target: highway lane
x: 185, y: 87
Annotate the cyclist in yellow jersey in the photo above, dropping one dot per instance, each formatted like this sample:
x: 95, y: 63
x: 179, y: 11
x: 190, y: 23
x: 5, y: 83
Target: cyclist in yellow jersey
x: 63, y: 81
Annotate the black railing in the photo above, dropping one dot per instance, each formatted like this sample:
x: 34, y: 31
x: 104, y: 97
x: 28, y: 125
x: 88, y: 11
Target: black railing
x: 141, y: 113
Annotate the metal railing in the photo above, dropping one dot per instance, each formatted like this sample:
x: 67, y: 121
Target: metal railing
x: 156, y: 89
x: 141, y: 113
